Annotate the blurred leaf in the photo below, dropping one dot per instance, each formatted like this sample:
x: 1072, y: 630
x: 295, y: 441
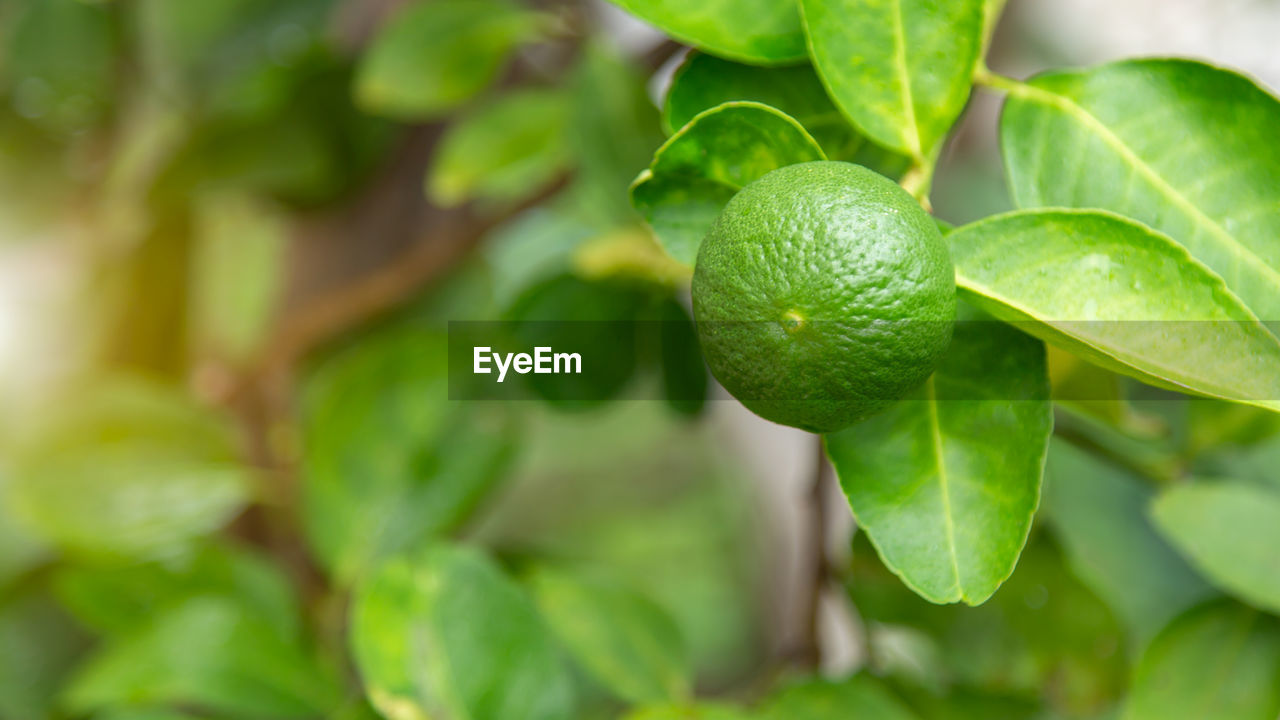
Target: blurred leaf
x: 965, y: 704
x: 1100, y: 513
x: 212, y: 653
x: 761, y: 32
x: 945, y: 482
x: 1216, y: 662
x: 142, y: 714
x: 128, y: 469
x: 684, y: 372
x: 596, y: 319
x: 119, y: 599
x: 237, y: 273
x: 387, y: 460
x: 712, y: 157
x: 629, y: 253
x: 536, y: 245
x: 39, y: 644
x: 856, y: 697
x: 20, y: 550
x: 1116, y: 122
x: 1212, y: 424
x: 591, y: 492
x: 506, y: 150
x: 613, y: 132
x: 308, y: 146
x: 232, y: 58
x: 900, y: 69
x: 58, y: 60
x: 619, y: 636
x: 431, y: 57
x: 443, y: 633
x: 699, y: 711
x: 1133, y: 302
x: 1231, y: 532
x: 1042, y: 638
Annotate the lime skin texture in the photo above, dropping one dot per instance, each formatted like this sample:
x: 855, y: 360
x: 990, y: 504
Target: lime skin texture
x: 822, y: 294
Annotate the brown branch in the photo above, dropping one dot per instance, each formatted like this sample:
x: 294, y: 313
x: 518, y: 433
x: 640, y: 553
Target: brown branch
x: 384, y: 289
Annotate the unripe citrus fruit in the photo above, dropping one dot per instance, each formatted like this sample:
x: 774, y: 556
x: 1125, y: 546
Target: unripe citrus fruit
x: 822, y: 294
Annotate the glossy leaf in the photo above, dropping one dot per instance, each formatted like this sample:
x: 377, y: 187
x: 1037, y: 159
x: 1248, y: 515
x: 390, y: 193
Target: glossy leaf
x: 901, y: 70
x: 625, y: 641
x: 1100, y: 513
x: 855, y: 697
x: 1120, y: 295
x: 1185, y: 147
x: 443, y: 633
x: 129, y: 469
x: 387, y: 460
x: 695, y: 172
x: 1231, y: 532
x: 432, y: 57
x: 506, y: 150
x: 210, y: 652
x: 946, y: 481
x: 1216, y: 662
x: 761, y: 32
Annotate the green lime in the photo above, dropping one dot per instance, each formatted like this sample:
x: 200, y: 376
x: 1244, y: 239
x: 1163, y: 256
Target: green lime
x: 822, y: 294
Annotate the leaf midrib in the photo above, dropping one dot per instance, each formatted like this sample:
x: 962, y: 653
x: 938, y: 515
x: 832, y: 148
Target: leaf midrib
x: 1090, y: 121
x: 935, y: 428
x: 914, y: 143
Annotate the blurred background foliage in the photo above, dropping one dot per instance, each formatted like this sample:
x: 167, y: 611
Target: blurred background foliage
x: 232, y: 487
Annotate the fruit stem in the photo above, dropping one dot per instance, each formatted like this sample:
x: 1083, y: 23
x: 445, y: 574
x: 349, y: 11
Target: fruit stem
x: 917, y: 181
x: 984, y: 76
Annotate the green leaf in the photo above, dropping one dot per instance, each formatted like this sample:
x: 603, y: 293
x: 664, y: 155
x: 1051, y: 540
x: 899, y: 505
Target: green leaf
x: 1100, y: 513
x: 856, y: 697
x: 432, y: 57
x: 443, y: 633
x: 695, y: 172
x: 946, y: 481
x: 118, y: 599
x: 1043, y: 636
x: 1216, y: 662
x: 613, y: 131
x: 1120, y: 295
x: 39, y: 647
x: 625, y: 641
x: 57, y: 60
x: 684, y: 372
x: 1187, y: 148
x: 387, y: 460
x: 238, y: 270
x: 127, y: 469
x: 760, y: 32
x: 901, y: 70
x: 506, y: 150
x: 211, y: 652
x: 1231, y: 532
x: 699, y: 711
x: 234, y: 57
x: 596, y: 319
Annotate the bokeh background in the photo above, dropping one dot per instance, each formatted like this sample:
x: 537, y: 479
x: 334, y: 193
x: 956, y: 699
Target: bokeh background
x: 228, y: 248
